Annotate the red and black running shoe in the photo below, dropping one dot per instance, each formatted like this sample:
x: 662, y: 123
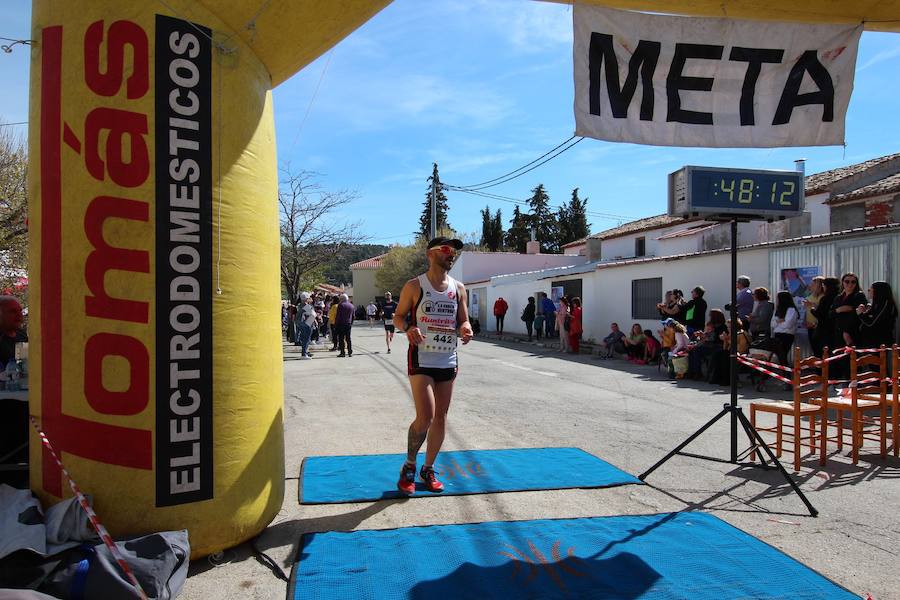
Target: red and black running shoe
x: 430, y: 478
x: 407, y: 482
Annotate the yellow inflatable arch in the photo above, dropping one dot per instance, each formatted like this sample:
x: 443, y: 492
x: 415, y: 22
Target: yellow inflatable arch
x: 155, y: 246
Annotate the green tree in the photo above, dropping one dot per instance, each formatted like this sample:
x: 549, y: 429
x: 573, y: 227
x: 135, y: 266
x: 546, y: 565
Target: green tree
x: 441, y: 208
x: 13, y: 214
x: 400, y: 264
x: 572, y: 219
x: 543, y: 220
x: 491, y: 229
x: 518, y: 234
x: 497, y: 233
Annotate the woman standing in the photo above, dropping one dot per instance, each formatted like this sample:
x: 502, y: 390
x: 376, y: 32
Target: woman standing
x: 561, y: 315
x: 784, y: 325
x: 528, y: 316
x: 823, y: 333
x: 761, y: 317
x: 843, y: 309
x: 575, y: 326
x: 846, y: 321
x: 878, y: 319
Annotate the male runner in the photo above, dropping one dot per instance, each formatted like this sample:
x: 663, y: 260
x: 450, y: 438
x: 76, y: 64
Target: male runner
x: 371, y: 311
x: 434, y: 304
x: 387, y: 314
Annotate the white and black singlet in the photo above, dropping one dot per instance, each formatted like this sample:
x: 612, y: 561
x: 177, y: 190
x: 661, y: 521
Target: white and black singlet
x: 435, y: 314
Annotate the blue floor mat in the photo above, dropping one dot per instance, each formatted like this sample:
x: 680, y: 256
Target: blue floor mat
x: 335, y: 479
x: 690, y: 556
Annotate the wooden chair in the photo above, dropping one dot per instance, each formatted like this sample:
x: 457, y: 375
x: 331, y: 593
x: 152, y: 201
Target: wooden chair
x: 867, y: 395
x: 810, y: 380
x: 895, y: 398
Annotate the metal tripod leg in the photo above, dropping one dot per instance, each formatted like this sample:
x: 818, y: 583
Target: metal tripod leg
x: 747, y: 425
x: 678, y: 449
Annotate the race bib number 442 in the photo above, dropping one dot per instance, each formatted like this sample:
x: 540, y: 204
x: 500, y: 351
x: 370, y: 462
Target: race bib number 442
x: 440, y: 340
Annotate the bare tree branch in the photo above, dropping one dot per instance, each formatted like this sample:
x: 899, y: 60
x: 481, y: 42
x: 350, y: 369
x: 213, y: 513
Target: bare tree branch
x: 312, y: 233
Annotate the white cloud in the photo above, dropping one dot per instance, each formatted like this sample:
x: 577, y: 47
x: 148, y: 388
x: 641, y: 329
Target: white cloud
x: 880, y: 57
x: 529, y: 27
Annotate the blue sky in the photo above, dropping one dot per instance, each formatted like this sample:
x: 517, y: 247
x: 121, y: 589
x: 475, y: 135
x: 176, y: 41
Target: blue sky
x: 483, y: 87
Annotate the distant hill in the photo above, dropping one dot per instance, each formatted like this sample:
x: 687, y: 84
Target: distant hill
x: 338, y: 271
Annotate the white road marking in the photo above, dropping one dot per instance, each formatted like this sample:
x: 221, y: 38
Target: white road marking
x: 521, y: 368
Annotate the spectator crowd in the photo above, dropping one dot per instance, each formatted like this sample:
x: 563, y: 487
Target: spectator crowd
x: 694, y: 341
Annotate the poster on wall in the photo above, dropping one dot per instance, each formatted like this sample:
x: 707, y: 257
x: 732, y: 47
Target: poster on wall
x: 797, y: 281
x: 556, y: 294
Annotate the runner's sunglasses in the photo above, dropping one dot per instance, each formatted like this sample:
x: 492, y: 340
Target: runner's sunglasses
x: 448, y: 250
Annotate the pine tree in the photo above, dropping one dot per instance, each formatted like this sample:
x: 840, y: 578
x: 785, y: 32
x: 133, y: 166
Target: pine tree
x: 486, y: 226
x: 441, y: 209
x: 572, y: 220
x: 518, y: 234
x: 543, y: 220
x: 491, y: 229
x: 497, y: 233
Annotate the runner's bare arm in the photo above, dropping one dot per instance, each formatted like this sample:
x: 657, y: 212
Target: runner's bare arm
x: 408, y: 295
x: 465, y: 328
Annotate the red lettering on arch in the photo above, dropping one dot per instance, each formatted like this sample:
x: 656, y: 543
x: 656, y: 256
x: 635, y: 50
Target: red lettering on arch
x: 130, y: 401
x: 106, y: 258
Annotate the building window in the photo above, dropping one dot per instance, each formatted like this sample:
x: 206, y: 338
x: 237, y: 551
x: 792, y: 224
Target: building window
x: 640, y: 246
x: 645, y: 295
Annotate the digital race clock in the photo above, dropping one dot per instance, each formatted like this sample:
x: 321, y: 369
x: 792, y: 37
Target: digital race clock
x: 744, y: 193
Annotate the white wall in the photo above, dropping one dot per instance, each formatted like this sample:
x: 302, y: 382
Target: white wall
x: 820, y: 214
x: 516, y: 294
x: 364, y: 288
x: 612, y: 285
x: 480, y: 266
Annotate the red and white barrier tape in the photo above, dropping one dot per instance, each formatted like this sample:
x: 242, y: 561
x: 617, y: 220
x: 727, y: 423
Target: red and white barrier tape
x: 750, y: 364
x: 766, y: 363
x: 95, y: 521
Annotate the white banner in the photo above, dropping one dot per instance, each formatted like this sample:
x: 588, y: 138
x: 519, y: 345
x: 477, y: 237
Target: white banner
x: 679, y: 81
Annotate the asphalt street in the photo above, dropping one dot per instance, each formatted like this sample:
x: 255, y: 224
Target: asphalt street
x: 511, y: 395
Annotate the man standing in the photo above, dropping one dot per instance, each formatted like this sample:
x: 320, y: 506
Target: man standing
x: 387, y: 315
x: 306, y: 321
x: 549, y: 310
x: 344, y: 323
x: 500, y: 308
x: 744, y: 298
x: 371, y: 311
x: 434, y: 304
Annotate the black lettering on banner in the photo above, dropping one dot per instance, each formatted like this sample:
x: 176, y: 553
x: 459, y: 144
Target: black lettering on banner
x: 645, y: 56
x: 755, y: 57
x: 791, y: 96
x: 184, y: 392
x: 676, y: 82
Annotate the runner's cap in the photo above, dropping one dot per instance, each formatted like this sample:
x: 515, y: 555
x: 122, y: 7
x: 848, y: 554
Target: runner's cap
x: 445, y: 241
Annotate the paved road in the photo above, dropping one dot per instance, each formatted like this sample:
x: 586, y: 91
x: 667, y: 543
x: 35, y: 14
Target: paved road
x: 512, y: 395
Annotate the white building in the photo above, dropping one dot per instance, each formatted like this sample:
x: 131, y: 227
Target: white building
x: 851, y: 223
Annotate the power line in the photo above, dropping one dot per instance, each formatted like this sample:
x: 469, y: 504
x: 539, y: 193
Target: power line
x: 601, y: 215
x: 519, y: 172
x: 11, y: 124
x: 476, y: 185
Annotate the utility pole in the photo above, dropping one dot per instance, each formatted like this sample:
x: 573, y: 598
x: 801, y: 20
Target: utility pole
x: 433, y: 205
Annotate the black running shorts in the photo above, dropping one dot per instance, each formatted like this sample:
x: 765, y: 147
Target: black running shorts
x: 439, y: 375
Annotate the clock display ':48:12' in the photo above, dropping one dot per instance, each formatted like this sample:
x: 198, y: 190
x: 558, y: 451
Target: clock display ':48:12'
x: 744, y: 190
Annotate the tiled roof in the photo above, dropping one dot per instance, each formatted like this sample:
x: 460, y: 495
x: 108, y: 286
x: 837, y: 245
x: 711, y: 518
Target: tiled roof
x: 889, y: 228
x: 369, y: 263
x: 887, y: 185
x: 819, y: 182
x: 645, y: 224
x: 693, y: 230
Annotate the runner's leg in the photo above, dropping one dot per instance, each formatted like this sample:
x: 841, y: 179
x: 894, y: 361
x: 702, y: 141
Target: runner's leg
x: 423, y: 397
x: 443, y: 392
